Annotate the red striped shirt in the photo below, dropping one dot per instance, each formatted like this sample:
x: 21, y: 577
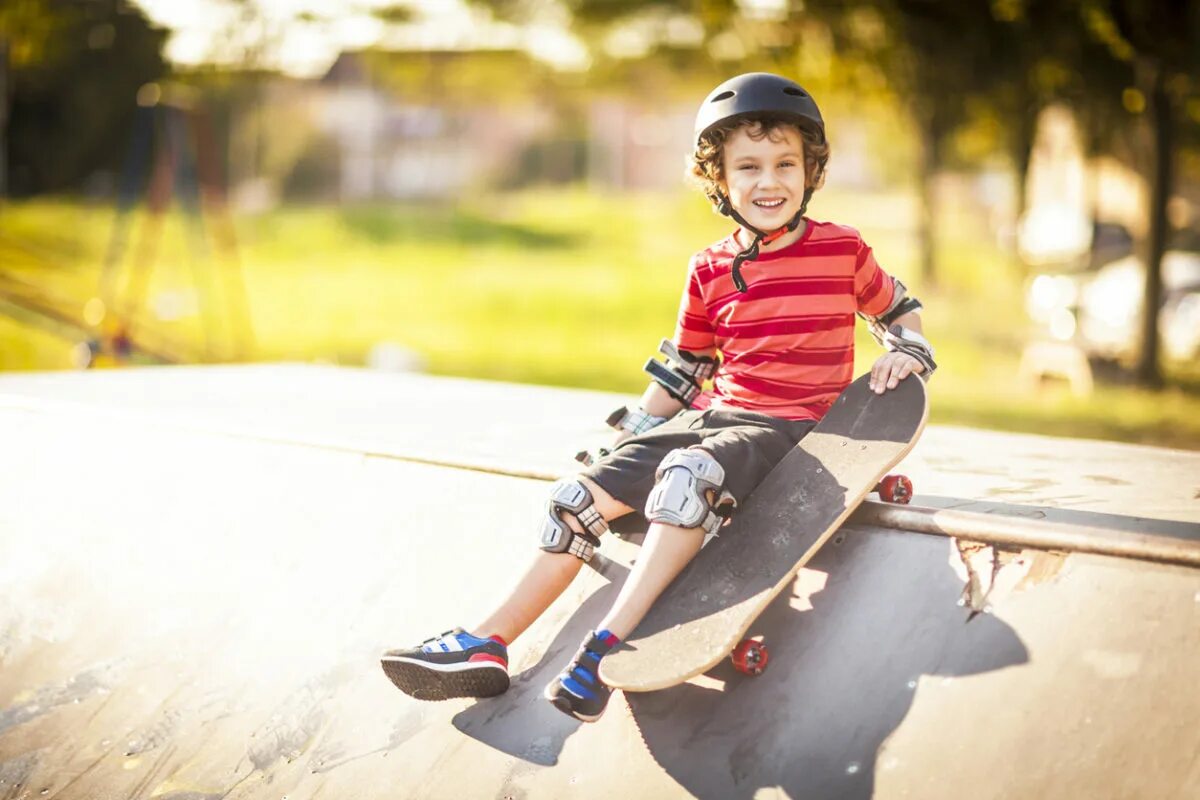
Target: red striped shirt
x: 787, y: 344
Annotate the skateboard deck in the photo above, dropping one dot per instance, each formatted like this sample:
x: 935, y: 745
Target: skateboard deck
x: 703, y: 614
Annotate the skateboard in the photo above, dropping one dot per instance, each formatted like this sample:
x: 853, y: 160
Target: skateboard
x: 703, y: 614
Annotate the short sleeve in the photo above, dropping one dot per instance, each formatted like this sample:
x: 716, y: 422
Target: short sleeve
x: 873, y: 288
x: 693, y: 329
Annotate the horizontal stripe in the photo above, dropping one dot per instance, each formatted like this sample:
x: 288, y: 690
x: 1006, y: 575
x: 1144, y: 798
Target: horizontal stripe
x: 805, y: 357
x: 823, y: 249
x: 786, y: 391
x: 878, y: 296
x: 774, y: 289
x: 862, y: 257
x: 783, y: 327
x: 709, y: 281
x: 690, y: 323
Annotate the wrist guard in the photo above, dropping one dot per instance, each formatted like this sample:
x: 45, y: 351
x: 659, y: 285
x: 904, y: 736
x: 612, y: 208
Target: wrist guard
x: 635, y: 421
x: 902, y: 340
x: 683, y: 375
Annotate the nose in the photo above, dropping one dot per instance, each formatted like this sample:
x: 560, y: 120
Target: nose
x: 768, y: 178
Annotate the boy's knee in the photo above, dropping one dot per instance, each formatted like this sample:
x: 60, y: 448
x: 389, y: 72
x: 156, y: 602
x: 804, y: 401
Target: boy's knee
x: 574, y: 522
x: 689, y: 492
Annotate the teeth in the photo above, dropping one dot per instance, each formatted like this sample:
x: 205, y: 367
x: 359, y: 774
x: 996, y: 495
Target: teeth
x: 768, y: 203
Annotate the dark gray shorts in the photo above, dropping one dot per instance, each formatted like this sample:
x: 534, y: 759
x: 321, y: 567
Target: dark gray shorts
x: 746, y: 444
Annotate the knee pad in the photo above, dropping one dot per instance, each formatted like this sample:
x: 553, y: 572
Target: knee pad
x: 682, y: 485
x: 571, y: 497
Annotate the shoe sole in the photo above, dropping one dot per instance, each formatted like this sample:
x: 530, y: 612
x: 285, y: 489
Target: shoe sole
x: 564, y: 705
x: 423, y: 682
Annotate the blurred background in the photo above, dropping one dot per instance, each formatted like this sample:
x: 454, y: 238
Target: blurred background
x: 494, y: 188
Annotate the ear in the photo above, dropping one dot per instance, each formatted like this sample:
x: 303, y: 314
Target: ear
x: 812, y: 171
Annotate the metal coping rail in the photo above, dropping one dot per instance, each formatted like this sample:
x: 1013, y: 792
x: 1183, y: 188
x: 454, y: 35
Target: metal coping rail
x: 1040, y: 534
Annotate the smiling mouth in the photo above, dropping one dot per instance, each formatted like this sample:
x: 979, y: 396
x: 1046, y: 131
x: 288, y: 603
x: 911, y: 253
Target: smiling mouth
x: 768, y: 204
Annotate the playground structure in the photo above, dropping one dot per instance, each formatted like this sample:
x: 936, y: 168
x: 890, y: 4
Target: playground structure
x: 172, y: 156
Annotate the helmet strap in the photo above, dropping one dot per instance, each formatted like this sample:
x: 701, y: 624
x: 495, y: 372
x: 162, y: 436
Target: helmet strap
x: 750, y: 253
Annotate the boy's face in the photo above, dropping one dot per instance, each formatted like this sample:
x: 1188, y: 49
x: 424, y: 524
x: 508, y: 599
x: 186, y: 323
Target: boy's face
x: 764, y: 175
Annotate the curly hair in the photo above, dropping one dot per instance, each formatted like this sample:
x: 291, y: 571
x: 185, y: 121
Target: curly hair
x: 706, y: 164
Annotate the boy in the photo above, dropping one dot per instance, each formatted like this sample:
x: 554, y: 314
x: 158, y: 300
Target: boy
x: 768, y: 315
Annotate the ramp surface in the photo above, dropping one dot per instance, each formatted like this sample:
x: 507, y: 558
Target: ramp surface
x: 196, y: 588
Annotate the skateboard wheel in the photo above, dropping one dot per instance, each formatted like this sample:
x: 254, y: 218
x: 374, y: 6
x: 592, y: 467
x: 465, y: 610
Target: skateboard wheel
x: 895, y: 489
x: 750, y: 657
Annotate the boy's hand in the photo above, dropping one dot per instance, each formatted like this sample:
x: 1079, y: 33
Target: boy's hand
x: 891, y: 368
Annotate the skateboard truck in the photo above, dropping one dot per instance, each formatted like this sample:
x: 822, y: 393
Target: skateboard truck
x: 895, y: 489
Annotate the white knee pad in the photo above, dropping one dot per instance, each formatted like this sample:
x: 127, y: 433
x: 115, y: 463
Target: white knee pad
x: 680, y: 494
x: 572, y: 498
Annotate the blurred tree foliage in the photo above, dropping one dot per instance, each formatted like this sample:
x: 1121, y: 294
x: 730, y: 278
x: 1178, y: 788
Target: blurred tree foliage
x: 1159, y: 41
x: 1129, y: 68
x: 73, y: 66
x: 450, y: 77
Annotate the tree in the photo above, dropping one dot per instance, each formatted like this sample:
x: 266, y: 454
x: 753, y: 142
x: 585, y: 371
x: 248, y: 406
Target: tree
x: 1159, y: 41
x: 933, y: 56
x: 76, y: 67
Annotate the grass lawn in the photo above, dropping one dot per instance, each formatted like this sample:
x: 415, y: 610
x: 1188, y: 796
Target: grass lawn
x: 560, y: 287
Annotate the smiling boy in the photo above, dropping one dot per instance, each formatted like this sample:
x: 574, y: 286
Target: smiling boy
x: 767, y: 315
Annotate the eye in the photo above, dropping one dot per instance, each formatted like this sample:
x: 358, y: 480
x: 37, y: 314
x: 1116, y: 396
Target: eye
x: 748, y: 166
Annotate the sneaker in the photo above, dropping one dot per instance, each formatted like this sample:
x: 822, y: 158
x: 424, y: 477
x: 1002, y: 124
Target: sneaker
x: 455, y: 664
x: 578, y: 692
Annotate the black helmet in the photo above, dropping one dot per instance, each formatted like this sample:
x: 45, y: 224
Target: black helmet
x: 760, y: 92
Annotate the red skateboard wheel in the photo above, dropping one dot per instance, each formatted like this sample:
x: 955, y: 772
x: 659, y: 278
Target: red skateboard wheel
x: 750, y: 657
x: 895, y: 489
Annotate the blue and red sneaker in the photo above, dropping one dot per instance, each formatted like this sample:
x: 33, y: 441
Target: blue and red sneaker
x: 455, y: 664
x: 577, y: 691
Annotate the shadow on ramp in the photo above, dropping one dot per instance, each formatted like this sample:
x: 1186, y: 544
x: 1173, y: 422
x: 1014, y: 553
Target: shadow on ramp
x: 843, y: 676
x: 520, y: 722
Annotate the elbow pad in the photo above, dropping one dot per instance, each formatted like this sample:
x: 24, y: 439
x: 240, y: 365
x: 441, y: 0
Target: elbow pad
x: 901, y: 304
x: 683, y: 375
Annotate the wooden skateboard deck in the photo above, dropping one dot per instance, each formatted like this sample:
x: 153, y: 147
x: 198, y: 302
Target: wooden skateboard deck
x: 706, y: 610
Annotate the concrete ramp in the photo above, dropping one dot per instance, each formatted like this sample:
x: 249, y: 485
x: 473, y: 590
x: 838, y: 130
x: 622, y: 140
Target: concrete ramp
x: 193, y: 602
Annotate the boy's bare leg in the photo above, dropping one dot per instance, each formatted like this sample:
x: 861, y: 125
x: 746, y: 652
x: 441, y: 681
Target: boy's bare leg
x: 547, y: 577
x: 665, y: 552
x: 578, y: 690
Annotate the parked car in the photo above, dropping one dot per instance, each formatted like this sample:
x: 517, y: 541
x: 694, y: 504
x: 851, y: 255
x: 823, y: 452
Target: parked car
x: 1101, y: 311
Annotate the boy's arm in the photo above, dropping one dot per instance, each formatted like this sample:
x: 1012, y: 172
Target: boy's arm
x: 911, y: 320
x: 659, y: 403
